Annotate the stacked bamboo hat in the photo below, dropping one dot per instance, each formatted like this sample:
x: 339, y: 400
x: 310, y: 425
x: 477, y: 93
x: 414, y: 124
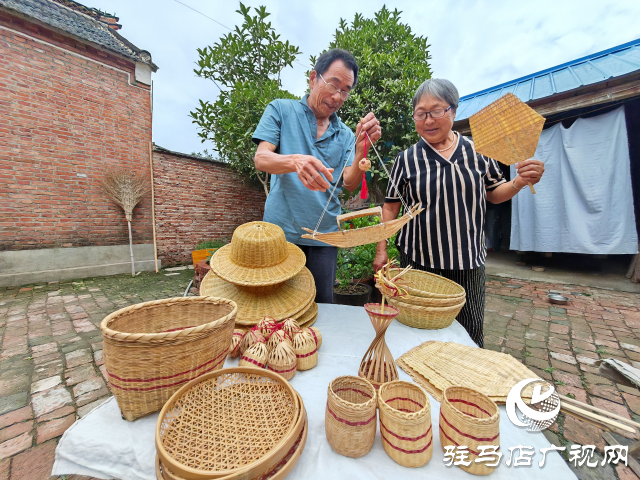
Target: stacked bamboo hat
x: 264, y: 274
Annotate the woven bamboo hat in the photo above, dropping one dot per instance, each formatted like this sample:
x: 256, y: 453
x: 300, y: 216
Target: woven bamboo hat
x: 258, y: 255
x: 254, y: 303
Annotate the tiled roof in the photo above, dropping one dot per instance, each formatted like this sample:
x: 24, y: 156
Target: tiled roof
x: 611, y: 63
x: 79, y: 24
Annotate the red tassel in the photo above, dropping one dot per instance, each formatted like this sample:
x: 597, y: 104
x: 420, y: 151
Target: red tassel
x: 364, y: 192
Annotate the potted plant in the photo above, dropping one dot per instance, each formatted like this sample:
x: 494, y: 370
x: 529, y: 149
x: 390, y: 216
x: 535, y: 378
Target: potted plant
x: 205, y: 249
x: 347, y: 291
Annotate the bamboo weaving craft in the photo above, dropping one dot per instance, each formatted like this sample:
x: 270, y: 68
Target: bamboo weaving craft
x: 251, y: 337
x: 507, y: 130
x: 470, y: 418
x: 276, y: 338
x: 405, y: 423
x: 291, y: 327
x: 282, y: 360
x: 377, y: 365
x: 255, y: 356
x: 426, y: 317
x: 306, y: 351
x: 317, y: 336
x: 267, y: 326
x: 429, y: 285
x: 206, y: 423
x: 234, y: 347
x: 309, y: 317
x: 183, y: 338
x: 438, y: 365
x: 350, y: 416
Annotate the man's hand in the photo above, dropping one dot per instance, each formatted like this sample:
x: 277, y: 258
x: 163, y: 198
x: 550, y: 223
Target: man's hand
x: 367, y: 126
x: 312, y: 173
x: 530, y: 171
x: 381, y: 259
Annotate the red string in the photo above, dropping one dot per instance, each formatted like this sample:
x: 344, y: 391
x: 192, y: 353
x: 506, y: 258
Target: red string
x: 364, y: 192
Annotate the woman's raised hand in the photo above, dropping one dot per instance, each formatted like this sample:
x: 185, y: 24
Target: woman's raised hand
x: 530, y: 171
x: 312, y: 173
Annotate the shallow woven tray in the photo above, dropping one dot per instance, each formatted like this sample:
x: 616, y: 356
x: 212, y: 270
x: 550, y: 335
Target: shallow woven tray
x: 431, y: 318
x: 425, y: 284
x: 254, y: 303
x: 438, y: 365
x: 309, y: 316
x: 236, y: 421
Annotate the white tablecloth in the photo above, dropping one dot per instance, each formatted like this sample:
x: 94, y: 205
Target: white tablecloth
x: 104, y: 445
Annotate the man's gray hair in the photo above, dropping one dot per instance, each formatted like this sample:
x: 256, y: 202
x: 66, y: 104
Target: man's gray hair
x: 439, y: 88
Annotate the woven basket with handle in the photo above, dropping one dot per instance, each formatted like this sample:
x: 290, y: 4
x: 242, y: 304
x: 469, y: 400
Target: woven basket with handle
x: 431, y: 318
x: 430, y: 285
x: 405, y: 423
x: 151, y: 349
x: 469, y: 418
x: 350, y: 416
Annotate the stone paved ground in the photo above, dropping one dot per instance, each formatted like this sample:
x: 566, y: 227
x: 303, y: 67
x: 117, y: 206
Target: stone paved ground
x: 51, y: 367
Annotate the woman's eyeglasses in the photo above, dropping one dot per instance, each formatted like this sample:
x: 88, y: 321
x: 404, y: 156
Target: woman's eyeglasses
x: 438, y: 113
x: 332, y: 89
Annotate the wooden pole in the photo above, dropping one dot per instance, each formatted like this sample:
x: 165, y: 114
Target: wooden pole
x: 153, y: 208
x: 133, y: 268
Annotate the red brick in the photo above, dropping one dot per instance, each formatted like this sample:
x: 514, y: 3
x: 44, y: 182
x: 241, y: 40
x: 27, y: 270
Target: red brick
x: 16, y: 416
x: 34, y: 464
x: 15, y: 430
x: 54, y: 428
x: 583, y: 433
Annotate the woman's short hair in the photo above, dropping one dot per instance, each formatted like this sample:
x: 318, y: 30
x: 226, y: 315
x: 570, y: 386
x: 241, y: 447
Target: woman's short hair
x: 327, y: 58
x: 439, y: 88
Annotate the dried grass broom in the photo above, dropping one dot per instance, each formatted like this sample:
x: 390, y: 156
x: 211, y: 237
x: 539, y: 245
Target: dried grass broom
x: 126, y: 189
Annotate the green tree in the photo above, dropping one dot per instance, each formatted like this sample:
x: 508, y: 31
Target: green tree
x: 393, y: 62
x: 245, y: 65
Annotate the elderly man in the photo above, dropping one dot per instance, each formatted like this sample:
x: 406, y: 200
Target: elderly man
x: 305, y: 146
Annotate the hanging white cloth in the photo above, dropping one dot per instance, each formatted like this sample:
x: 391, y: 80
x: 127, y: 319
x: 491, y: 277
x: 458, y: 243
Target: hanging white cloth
x: 584, y: 202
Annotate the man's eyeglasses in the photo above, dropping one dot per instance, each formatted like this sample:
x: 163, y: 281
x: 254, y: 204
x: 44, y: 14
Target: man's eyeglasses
x: 438, y: 113
x: 332, y: 89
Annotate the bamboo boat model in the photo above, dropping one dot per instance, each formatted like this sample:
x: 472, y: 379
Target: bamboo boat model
x: 346, y: 238
x: 353, y: 237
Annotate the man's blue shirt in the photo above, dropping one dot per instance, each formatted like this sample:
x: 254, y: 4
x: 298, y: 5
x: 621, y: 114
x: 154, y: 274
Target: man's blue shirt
x: 291, y: 126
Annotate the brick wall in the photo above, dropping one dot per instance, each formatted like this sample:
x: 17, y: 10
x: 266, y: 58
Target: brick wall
x: 198, y: 200
x: 60, y: 116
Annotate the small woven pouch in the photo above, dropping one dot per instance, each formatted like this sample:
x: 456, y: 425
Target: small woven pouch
x: 291, y: 327
x: 255, y: 356
x: 306, y: 350
x: 277, y: 337
x: 315, y: 333
x: 236, y: 338
x: 282, y: 360
x: 251, y: 337
x: 267, y: 326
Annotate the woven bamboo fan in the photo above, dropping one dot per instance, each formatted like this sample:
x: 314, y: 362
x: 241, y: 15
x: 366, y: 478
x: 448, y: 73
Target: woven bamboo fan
x: 507, y: 130
x: 346, y: 238
x: 438, y: 365
x: 205, y: 424
x: 377, y: 365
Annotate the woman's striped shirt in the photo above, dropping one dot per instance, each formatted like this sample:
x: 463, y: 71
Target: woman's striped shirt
x: 448, y: 233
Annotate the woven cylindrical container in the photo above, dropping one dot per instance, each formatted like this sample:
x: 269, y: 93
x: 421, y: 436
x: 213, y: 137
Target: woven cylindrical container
x: 350, y: 416
x: 267, y: 326
x: 236, y: 338
x: 277, y: 337
x: 291, y: 326
x: 254, y: 356
x: 282, y: 360
x: 251, y: 337
x: 306, y: 351
x: 405, y: 423
x: 175, y: 338
x: 315, y: 333
x: 469, y: 418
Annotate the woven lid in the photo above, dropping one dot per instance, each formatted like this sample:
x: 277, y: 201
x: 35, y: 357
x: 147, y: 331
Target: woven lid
x: 254, y: 303
x: 258, y: 254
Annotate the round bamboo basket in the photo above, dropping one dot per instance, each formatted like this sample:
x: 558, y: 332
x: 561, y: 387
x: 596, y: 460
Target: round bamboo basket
x: 430, y: 301
x: 309, y: 317
x: 151, y: 349
x: 280, y: 471
x: 306, y: 351
x: 405, y: 423
x: 291, y: 326
x: 425, y: 284
x: 317, y: 336
x: 255, y: 356
x: 234, y: 346
x: 206, y: 423
x: 431, y: 318
x: 350, y: 416
x: 277, y: 337
x: 250, y: 337
x: 282, y: 360
x: 470, y: 418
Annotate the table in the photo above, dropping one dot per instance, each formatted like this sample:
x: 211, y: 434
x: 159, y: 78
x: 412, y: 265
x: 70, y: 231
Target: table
x: 104, y: 445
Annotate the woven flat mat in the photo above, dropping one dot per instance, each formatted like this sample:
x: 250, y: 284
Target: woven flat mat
x: 438, y: 365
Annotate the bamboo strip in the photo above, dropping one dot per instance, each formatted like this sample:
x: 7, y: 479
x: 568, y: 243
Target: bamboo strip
x: 599, y: 410
x: 579, y: 412
x: 153, y: 208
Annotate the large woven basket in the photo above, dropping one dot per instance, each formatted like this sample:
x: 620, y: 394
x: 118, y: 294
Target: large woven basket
x: 204, y: 425
x: 425, y: 284
x: 469, y: 418
x: 405, y: 423
x: 431, y: 301
x: 151, y: 349
x: 350, y: 416
x: 431, y: 318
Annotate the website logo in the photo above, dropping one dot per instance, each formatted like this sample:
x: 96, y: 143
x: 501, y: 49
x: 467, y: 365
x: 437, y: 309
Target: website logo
x: 543, y: 410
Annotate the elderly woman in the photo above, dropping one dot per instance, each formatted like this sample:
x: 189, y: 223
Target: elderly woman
x: 452, y: 181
